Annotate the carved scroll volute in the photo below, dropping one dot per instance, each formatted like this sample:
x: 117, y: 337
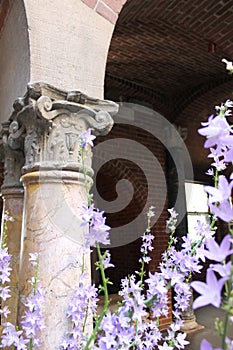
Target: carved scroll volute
x: 13, y: 157
x: 96, y: 115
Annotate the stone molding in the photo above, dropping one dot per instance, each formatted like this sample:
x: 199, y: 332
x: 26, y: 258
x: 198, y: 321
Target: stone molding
x: 50, y: 120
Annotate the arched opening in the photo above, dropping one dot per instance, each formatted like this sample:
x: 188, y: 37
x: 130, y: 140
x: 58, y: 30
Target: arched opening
x: 168, y: 57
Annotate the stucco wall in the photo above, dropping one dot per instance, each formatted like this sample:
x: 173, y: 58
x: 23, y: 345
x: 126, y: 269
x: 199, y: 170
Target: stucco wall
x: 68, y: 44
x: 14, y: 58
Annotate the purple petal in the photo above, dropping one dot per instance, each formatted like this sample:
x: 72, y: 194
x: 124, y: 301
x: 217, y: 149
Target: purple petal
x: 205, y: 345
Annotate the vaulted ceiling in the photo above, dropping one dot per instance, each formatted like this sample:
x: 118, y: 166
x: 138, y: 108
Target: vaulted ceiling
x: 168, y: 53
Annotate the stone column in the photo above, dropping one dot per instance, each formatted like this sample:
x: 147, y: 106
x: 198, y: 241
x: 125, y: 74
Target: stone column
x: 12, y: 194
x: 53, y: 181
x: 189, y: 319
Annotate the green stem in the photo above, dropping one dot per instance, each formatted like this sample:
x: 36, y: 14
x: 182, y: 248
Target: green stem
x: 104, y: 280
x: 216, y: 177
x: 142, y: 272
x: 86, y: 316
x: 171, y: 239
x: 226, y: 323
x: 228, y: 296
x: 106, y: 299
x: 36, y: 276
x: 83, y: 264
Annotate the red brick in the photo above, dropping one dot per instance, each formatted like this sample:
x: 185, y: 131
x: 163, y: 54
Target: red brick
x: 106, y: 12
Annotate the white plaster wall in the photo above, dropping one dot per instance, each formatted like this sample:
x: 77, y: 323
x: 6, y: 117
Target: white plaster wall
x: 68, y: 44
x: 14, y: 59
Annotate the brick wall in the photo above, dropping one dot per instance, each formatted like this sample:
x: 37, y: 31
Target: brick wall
x: 125, y: 258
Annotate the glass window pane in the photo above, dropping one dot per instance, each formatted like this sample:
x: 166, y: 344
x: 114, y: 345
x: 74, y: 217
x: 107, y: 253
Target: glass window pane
x: 196, y: 198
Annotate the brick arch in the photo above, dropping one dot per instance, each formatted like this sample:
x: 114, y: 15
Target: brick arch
x: 207, y: 97
x: 207, y: 94
x: 191, y: 117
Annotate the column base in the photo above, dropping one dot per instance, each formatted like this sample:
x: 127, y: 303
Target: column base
x: 191, y: 325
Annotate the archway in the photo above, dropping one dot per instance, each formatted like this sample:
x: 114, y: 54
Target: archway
x: 169, y: 58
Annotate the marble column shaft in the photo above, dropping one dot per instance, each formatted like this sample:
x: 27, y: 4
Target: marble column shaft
x: 51, y: 121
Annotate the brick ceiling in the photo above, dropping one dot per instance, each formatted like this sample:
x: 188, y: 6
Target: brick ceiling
x: 162, y: 52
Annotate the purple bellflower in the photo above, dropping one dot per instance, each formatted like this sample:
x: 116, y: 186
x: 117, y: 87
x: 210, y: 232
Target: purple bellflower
x: 222, y: 193
x: 210, y: 291
x: 205, y: 345
x: 218, y: 252
x: 98, y: 232
x: 223, y: 210
x: 5, y: 271
x: 84, y: 301
x: 107, y: 260
x: 86, y: 138
x: 172, y: 221
x: 224, y: 270
x: 32, y: 320
x: 217, y: 130
x: 12, y: 337
x: 220, y: 196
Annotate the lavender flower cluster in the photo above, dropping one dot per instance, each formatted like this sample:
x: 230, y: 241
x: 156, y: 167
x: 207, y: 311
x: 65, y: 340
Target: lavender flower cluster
x: 5, y: 271
x: 135, y: 325
x: 32, y: 321
x: 219, y: 277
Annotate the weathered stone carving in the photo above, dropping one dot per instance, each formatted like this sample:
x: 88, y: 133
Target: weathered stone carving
x: 52, y: 120
x: 12, y: 156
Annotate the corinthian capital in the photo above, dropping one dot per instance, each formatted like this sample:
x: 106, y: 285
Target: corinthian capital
x: 52, y: 120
